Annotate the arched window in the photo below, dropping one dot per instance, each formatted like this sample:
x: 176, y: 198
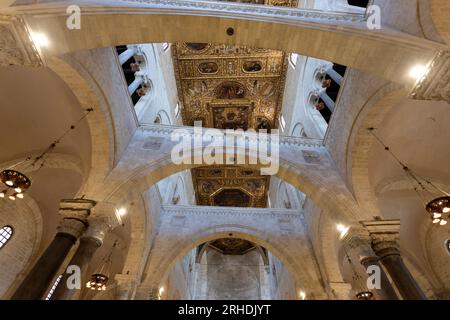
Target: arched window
x: 5, y: 234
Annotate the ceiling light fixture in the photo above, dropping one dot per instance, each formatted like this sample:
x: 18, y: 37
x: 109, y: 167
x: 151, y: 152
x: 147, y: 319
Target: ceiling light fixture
x: 99, y: 280
x: 17, y: 182
x: 437, y: 207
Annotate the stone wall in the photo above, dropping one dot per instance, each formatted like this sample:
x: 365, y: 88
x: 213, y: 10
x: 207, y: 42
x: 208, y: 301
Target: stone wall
x: 19, y: 252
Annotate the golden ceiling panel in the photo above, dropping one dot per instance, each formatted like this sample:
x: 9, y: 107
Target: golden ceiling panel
x: 227, y: 86
x: 231, y: 186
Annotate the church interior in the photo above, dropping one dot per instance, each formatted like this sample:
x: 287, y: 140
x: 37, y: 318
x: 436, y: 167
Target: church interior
x: 356, y: 94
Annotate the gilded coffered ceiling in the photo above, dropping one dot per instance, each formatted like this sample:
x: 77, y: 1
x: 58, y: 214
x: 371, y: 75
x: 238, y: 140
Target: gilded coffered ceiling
x: 230, y: 186
x: 230, y: 87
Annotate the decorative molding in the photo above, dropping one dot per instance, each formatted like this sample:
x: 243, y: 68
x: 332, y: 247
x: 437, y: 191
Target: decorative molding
x: 234, y: 8
x: 16, y: 45
x: 161, y: 130
x: 230, y: 211
x: 435, y: 84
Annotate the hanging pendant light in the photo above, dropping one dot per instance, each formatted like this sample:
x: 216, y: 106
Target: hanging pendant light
x: 364, y: 295
x: 99, y: 280
x: 438, y: 207
x: 16, y: 184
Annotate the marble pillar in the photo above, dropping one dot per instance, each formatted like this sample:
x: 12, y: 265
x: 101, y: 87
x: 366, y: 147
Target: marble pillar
x: 385, y: 243
x: 74, y: 213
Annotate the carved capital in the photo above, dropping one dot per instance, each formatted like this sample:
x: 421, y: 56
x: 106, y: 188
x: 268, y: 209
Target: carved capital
x: 74, y: 213
x: 435, y: 84
x: 98, y: 229
x: 16, y: 44
x: 359, y: 242
x: 385, y: 236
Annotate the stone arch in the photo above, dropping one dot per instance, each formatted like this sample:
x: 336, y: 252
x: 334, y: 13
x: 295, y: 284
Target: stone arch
x: 324, y: 186
x: 179, y: 249
x: 439, y: 15
x: 360, y: 143
x: 290, y: 30
x: 100, y: 120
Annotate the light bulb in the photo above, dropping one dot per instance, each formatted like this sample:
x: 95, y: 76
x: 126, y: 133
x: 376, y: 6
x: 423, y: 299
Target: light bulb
x: 18, y: 190
x: 418, y: 71
x: 443, y: 222
x: 436, y: 215
x: 2, y: 194
x: 436, y: 220
x: 446, y: 210
x: 9, y: 183
x: 12, y: 197
x: 302, y: 295
x: 40, y: 39
x: 121, y: 212
x: 342, y: 229
x: 20, y: 195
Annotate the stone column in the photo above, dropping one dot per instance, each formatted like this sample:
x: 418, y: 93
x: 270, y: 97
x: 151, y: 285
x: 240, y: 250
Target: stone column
x: 135, y: 84
x: 89, y: 243
x: 357, y: 243
x: 385, y: 237
x: 334, y: 75
x: 74, y: 213
x: 127, y: 54
x: 328, y: 101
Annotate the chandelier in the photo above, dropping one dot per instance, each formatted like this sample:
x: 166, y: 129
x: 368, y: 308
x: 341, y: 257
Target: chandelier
x: 438, y: 208
x: 364, y: 295
x: 99, y: 280
x: 16, y: 184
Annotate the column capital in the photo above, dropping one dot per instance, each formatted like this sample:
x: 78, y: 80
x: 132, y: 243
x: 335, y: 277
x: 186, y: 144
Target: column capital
x: 385, y: 236
x: 358, y: 241
x: 102, y: 220
x: 74, y: 213
x: 98, y: 229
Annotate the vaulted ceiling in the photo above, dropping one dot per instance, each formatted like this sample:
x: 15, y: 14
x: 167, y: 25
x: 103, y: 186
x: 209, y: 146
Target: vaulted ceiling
x: 229, y: 87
